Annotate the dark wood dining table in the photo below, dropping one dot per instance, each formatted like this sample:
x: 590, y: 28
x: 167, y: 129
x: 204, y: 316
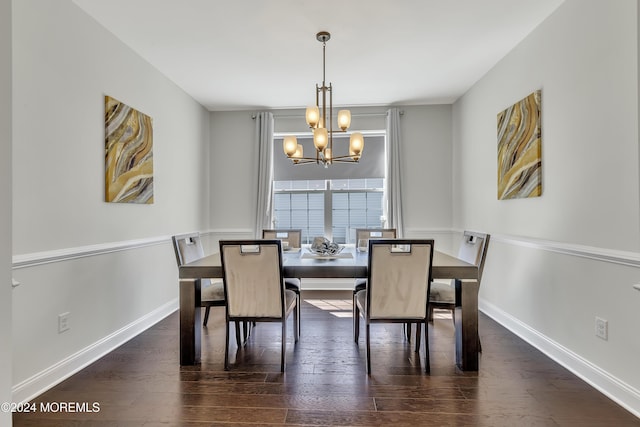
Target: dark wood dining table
x: 296, y: 264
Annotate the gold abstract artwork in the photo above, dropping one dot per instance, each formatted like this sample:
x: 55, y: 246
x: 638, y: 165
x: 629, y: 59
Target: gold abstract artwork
x: 520, y: 149
x: 128, y: 138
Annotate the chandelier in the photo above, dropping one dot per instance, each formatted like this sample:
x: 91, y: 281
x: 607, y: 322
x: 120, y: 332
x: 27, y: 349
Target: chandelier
x: 318, y: 118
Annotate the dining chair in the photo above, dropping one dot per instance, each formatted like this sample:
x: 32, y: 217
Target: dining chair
x: 364, y: 235
x: 292, y: 238
x: 254, y: 287
x: 397, y: 287
x: 473, y: 249
x: 188, y: 248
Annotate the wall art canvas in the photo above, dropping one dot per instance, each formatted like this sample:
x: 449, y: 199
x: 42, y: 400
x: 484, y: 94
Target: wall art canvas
x: 520, y: 149
x: 128, y: 138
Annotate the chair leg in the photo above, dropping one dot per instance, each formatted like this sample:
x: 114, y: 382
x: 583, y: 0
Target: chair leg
x: 354, y: 314
x: 284, y: 342
x: 206, y: 315
x: 238, y: 340
x: 246, y: 331
x: 299, y: 311
x: 407, y: 327
x: 368, y: 348
x: 431, y: 314
x: 418, y: 331
x: 226, y: 347
x: 296, y: 323
x: 426, y: 349
x: 356, y: 323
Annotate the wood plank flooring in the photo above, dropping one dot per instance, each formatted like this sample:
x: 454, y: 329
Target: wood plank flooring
x: 325, y: 383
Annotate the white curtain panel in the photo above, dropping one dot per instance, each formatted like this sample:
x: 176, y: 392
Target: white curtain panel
x: 264, y: 141
x: 394, y: 169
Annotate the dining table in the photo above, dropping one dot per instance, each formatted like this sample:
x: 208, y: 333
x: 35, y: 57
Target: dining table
x: 352, y: 263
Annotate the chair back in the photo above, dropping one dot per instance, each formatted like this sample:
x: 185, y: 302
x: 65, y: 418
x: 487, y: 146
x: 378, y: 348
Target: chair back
x: 252, y: 276
x: 188, y: 248
x: 399, y: 278
x: 292, y: 237
x: 473, y: 249
x: 375, y: 233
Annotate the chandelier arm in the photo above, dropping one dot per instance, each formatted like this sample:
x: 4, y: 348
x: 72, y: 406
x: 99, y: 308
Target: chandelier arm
x: 344, y: 159
x: 305, y: 160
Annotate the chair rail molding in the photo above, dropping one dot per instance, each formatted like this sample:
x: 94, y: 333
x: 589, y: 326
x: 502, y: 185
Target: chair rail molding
x: 599, y: 254
x: 65, y: 254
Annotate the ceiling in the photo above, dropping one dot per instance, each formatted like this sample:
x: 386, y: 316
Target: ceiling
x: 251, y: 54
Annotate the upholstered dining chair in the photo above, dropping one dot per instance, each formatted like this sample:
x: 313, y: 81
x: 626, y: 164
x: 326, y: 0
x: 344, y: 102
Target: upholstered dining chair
x: 254, y: 287
x: 293, y: 239
x: 188, y: 248
x: 473, y: 249
x: 397, y: 287
x: 364, y: 235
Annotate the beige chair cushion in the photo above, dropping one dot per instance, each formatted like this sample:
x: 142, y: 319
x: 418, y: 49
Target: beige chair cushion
x: 361, y: 282
x: 361, y: 300
x: 442, y: 292
x: 291, y: 283
x: 289, y: 300
x: 212, y: 291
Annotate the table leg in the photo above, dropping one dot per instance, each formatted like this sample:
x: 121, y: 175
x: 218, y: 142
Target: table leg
x: 190, y: 314
x: 466, y: 321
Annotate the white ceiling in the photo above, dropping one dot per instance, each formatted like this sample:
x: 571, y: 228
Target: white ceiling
x: 249, y: 54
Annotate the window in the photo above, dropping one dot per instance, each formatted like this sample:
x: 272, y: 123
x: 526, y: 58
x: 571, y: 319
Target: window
x: 333, y: 201
x: 329, y: 208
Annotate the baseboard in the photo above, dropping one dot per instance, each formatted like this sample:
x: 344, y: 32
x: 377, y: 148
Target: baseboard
x: 626, y: 396
x: 41, y: 382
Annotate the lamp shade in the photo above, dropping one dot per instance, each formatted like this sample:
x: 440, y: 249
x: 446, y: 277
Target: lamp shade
x: 299, y: 153
x: 290, y: 145
x: 344, y: 119
x: 327, y: 155
x: 313, y: 116
x: 356, y: 144
x: 320, y: 138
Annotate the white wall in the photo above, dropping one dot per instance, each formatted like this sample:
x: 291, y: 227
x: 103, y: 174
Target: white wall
x: 111, y: 266
x: 234, y: 174
x: 426, y: 171
x: 558, y: 261
x: 5, y: 208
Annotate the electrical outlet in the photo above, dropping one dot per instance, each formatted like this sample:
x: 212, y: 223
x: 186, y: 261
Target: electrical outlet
x: 602, y: 328
x: 63, y: 322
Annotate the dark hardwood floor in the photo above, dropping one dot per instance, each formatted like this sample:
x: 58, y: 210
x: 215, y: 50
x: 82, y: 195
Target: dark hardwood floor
x: 325, y: 383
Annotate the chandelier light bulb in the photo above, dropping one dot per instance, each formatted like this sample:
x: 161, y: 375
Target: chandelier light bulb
x: 356, y: 144
x: 344, y: 119
x: 290, y: 145
x: 320, y: 138
x: 313, y: 116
